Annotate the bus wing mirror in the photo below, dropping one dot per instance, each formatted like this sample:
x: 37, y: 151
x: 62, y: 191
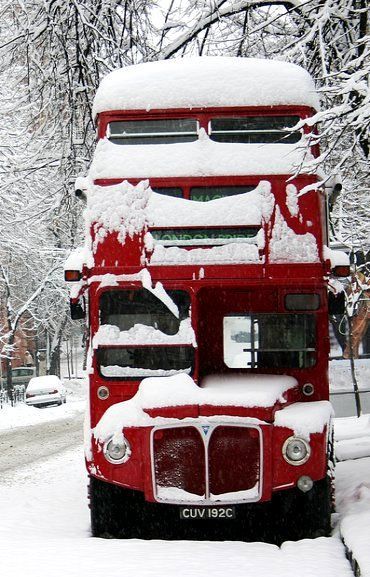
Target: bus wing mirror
x: 336, y: 303
x: 77, y: 310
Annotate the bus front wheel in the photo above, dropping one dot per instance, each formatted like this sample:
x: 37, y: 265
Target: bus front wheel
x: 106, y: 504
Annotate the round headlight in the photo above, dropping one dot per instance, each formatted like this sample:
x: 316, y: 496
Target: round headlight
x: 117, y: 451
x: 296, y: 451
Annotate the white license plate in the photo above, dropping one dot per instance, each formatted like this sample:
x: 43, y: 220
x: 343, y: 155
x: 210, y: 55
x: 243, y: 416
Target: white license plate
x: 207, y: 513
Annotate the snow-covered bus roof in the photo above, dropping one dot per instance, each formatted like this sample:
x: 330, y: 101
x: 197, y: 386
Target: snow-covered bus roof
x: 205, y: 82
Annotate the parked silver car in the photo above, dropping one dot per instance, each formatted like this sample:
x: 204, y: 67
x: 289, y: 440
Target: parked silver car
x: 47, y: 390
x: 20, y: 376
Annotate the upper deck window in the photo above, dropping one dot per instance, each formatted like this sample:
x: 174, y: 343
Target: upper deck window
x: 174, y: 191
x: 161, y: 131
x: 254, y: 129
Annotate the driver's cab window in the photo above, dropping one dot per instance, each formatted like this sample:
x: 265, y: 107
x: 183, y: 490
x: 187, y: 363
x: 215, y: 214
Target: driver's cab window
x: 269, y: 340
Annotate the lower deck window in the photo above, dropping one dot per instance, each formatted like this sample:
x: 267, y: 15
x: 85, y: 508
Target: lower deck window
x: 266, y: 340
x: 126, y: 308
x: 145, y: 361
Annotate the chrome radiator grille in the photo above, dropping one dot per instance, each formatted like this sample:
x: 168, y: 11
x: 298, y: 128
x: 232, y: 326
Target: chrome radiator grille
x: 207, y: 463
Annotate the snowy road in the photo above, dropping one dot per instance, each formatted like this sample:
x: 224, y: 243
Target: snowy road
x: 24, y: 445
x: 45, y: 528
x: 44, y: 532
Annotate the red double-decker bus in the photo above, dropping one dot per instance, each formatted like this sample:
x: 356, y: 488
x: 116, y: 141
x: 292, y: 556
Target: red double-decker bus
x: 204, y: 280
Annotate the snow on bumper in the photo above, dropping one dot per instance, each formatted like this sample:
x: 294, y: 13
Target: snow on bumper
x: 43, y: 400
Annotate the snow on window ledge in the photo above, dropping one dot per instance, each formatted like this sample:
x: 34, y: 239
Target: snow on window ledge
x: 230, y: 253
x: 143, y: 335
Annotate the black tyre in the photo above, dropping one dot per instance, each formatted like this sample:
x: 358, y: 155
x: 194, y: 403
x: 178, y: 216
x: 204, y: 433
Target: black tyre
x: 304, y: 515
x: 290, y: 515
x: 123, y: 513
x: 105, y: 507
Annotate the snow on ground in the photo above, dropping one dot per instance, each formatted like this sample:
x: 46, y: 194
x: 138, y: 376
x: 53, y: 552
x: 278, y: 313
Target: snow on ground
x: 44, y: 531
x: 353, y: 506
x: 341, y: 388
x: 24, y: 416
x: 352, y: 436
x: 340, y: 374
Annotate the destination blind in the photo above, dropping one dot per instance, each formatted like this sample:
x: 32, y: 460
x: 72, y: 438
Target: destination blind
x: 205, y: 234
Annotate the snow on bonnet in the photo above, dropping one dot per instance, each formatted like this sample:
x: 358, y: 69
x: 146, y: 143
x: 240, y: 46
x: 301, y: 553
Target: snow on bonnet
x: 305, y: 418
x: 336, y: 257
x: 180, y: 389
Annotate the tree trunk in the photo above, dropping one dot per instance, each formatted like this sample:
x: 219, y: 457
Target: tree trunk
x: 8, y: 365
x: 353, y: 371
x: 54, y: 367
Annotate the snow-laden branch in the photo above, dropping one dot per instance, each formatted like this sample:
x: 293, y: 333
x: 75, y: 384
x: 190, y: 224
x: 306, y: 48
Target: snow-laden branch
x: 217, y: 13
x: 15, y: 316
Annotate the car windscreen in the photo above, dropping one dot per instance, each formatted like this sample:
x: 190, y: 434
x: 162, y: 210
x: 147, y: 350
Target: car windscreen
x: 22, y: 372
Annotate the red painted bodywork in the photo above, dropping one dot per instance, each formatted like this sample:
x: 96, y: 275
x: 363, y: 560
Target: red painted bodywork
x: 215, y: 291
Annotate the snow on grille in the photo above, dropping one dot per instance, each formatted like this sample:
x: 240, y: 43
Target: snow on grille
x: 228, y: 254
